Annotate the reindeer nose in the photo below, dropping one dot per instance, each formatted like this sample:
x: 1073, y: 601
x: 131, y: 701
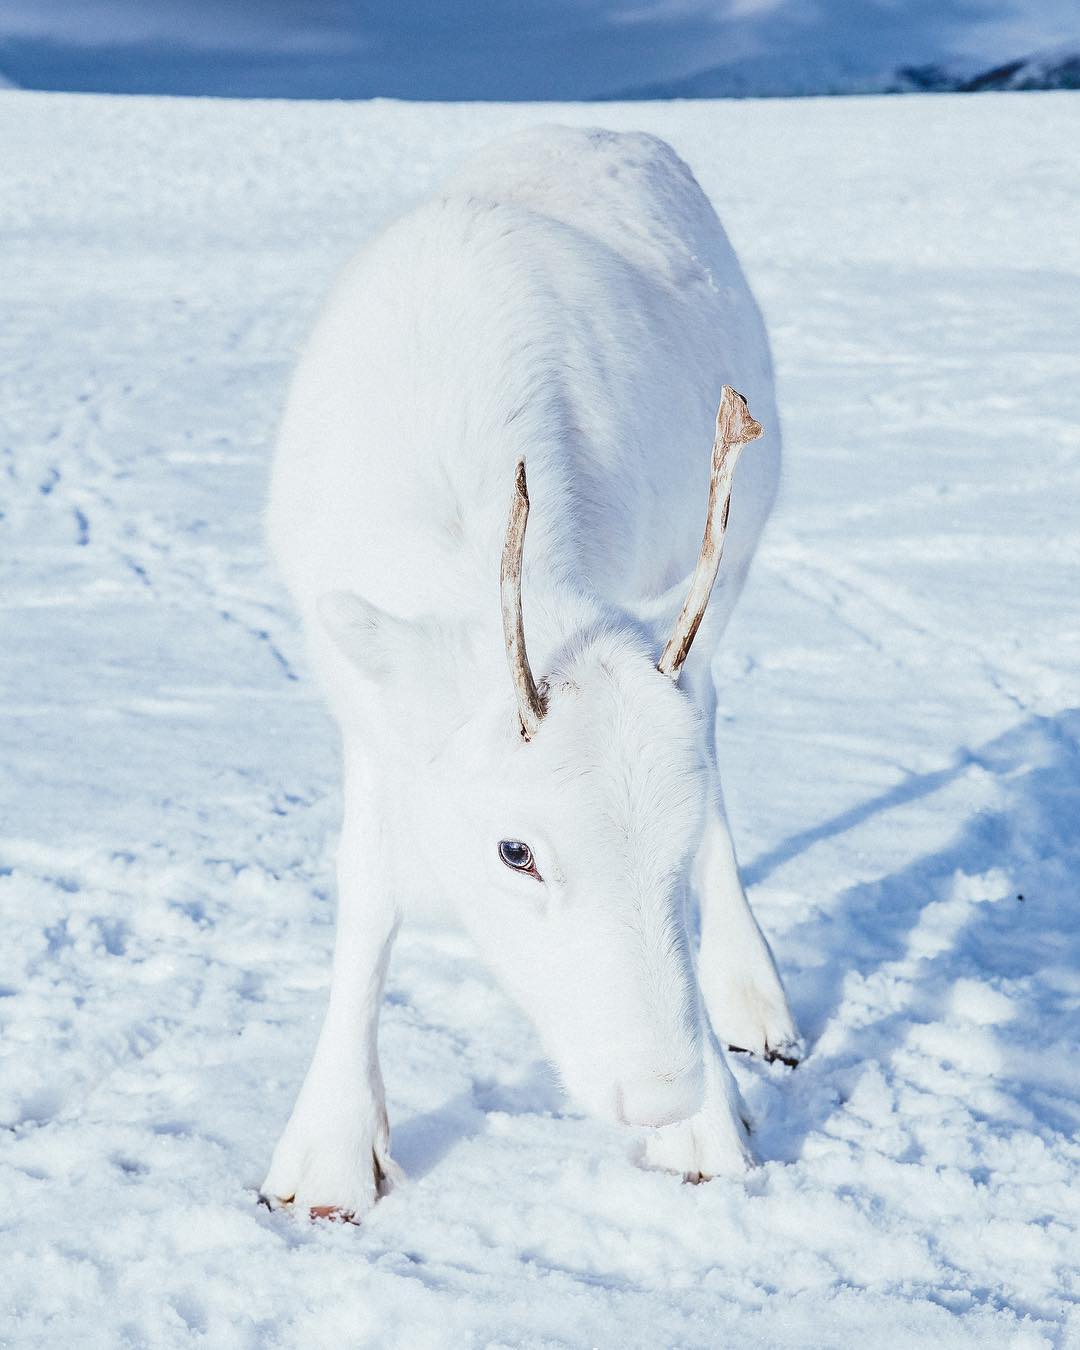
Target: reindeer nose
x: 659, y: 1099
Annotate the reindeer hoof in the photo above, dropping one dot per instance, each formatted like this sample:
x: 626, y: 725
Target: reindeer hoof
x: 792, y: 1058
x: 333, y: 1214
x: 329, y: 1213
x: 791, y: 1053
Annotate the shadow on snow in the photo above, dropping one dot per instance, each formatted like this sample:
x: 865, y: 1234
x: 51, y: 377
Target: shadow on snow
x: 995, y: 910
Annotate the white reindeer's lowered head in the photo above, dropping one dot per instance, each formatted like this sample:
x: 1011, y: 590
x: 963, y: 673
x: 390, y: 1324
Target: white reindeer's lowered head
x: 565, y: 305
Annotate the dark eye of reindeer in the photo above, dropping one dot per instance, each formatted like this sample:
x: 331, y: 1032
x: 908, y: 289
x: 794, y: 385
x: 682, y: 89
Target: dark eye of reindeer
x: 519, y: 856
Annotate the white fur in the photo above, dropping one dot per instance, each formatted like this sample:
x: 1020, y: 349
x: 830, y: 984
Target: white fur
x: 569, y: 297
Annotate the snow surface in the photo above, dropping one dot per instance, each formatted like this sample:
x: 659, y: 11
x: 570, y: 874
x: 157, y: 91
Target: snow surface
x: 900, y: 738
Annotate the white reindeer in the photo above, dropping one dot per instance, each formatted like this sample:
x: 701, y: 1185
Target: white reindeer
x: 568, y: 303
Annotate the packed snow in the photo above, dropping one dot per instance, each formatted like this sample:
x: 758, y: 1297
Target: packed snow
x: 900, y: 743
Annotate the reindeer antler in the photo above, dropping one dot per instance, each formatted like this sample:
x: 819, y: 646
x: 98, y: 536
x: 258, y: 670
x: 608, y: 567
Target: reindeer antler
x: 531, y: 703
x: 735, y: 427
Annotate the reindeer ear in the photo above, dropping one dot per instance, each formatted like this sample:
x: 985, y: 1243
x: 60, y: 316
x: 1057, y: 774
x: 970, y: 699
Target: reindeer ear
x: 380, y: 645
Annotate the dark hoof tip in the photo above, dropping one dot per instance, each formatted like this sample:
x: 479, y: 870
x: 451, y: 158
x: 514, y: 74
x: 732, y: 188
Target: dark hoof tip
x: 274, y: 1202
x: 333, y: 1214
x: 777, y: 1057
x: 770, y: 1056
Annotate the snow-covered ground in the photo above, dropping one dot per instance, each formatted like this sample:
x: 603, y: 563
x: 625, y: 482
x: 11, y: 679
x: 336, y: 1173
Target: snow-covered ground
x: 900, y: 736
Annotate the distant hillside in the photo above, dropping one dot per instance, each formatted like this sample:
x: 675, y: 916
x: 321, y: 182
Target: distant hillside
x: 514, y: 50
x: 1055, y: 70
x: 767, y: 77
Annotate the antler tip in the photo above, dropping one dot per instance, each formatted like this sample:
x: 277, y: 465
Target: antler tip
x: 735, y: 423
x: 735, y: 426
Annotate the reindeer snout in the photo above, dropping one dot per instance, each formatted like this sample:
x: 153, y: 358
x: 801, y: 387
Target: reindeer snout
x: 659, y: 1099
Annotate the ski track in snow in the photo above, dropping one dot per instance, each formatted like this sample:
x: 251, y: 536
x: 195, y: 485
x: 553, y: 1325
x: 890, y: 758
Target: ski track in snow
x: 900, y: 730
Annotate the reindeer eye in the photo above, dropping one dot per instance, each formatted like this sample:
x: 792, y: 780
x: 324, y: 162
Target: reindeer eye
x: 519, y: 856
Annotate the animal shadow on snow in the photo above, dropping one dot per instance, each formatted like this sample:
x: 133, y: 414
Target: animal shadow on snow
x: 421, y: 1141
x: 998, y: 905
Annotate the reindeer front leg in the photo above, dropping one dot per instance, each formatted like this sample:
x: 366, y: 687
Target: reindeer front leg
x: 333, y: 1158
x: 739, y: 981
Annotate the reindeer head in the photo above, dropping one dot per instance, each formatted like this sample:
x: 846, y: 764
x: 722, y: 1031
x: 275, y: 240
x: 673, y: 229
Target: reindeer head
x: 563, y: 826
